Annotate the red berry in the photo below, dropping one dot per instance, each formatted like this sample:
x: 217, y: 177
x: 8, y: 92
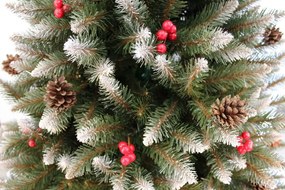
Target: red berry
x: 125, y: 160
x: 126, y: 150
x: 161, y: 48
x: 173, y: 29
x: 58, y: 13
x: 132, y: 157
x: 122, y: 144
x: 172, y: 37
x: 132, y: 147
x: 161, y: 35
x: 241, y: 149
x: 248, y: 145
x: 245, y: 135
x: 32, y: 143
x: 66, y: 8
x: 166, y: 25
x: 57, y: 4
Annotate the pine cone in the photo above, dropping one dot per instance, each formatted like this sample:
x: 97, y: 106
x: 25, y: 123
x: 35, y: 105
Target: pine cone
x: 276, y: 143
x: 230, y: 111
x: 272, y: 36
x: 59, y: 94
x: 7, y: 64
x: 259, y: 187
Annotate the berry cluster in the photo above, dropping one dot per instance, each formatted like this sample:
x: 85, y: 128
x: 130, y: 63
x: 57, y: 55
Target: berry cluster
x: 128, y: 151
x: 168, y: 32
x: 60, y: 8
x: 246, y: 145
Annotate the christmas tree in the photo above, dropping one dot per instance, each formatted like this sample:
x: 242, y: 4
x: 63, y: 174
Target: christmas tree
x: 144, y: 94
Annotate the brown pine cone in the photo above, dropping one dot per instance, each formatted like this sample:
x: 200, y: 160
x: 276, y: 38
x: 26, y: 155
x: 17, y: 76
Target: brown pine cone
x: 7, y: 64
x: 229, y: 112
x: 272, y: 36
x: 259, y: 187
x: 59, y: 95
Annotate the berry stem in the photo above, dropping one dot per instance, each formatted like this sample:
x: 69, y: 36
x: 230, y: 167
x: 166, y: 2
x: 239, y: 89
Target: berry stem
x: 129, y: 140
x: 124, y: 169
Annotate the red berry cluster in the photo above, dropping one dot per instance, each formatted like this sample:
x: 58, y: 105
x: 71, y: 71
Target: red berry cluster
x: 246, y: 145
x: 60, y: 8
x: 168, y: 31
x: 128, y: 151
x: 32, y: 143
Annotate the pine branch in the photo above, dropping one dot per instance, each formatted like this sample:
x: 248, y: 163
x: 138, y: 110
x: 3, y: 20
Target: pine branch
x: 30, y: 52
x: 236, y: 76
x: 142, y: 109
x: 142, y: 180
x: 25, y: 65
x: 31, y: 102
x: 83, y: 50
x: 251, y: 39
x: 89, y: 18
x: 174, y: 165
x: 13, y: 144
x: 81, y: 162
x: 136, y: 10
x: 173, y: 8
x: 268, y: 61
x: 278, y: 102
x: 98, y: 130
x: 192, y: 76
x: 233, y: 52
x: 159, y: 123
x: 200, y: 111
x: 215, y: 14
x: 224, y: 136
x: 30, y: 8
x: 187, y: 140
x: 276, y: 82
x: 245, y: 4
x: 269, y: 160
x: 54, y: 122
x: 204, y: 41
x: 164, y: 70
x: 249, y: 22
x: 52, y: 28
x: 25, y: 81
x: 55, y: 65
x: 35, y: 181
x: 8, y: 90
x: 103, y: 165
x: 218, y: 168
x: 257, y: 175
x: 112, y: 90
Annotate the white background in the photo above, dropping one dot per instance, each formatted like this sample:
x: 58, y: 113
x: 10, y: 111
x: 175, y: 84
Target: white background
x: 11, y: 24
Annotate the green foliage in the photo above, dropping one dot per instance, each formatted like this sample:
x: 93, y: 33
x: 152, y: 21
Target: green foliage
x: 32, y: 102
x: 126, y: 91
x: 215, y: 14
x: 55, y: 65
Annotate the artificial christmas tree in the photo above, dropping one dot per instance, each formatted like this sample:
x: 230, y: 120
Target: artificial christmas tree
x: 165, y: 95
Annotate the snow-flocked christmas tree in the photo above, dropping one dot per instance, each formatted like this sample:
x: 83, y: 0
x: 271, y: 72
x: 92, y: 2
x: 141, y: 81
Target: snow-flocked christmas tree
x: 144, y: 94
